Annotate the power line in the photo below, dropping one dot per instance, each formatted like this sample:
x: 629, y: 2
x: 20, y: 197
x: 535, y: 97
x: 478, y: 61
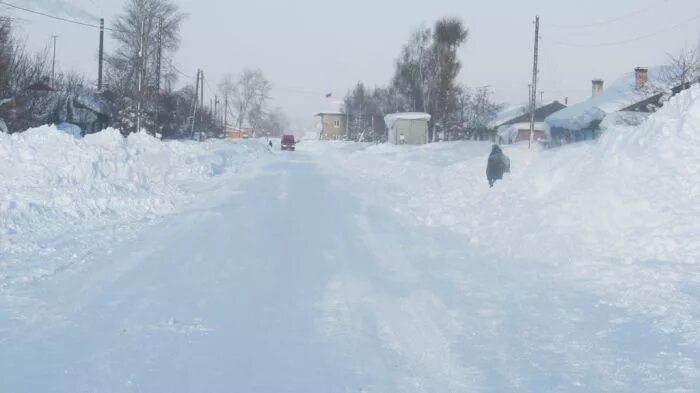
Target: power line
x: 627, y: 41
x: 172, y: 66
x: 75, y: 22
x: 613, y: 20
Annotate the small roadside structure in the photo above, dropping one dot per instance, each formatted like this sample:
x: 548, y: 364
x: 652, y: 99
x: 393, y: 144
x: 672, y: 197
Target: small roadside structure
x: 407, y: 128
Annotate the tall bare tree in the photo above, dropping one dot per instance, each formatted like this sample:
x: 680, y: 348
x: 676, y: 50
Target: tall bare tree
x: 448, y: 35
x: 249, y: 94
x: 138, y: 32
x: 427, y: 69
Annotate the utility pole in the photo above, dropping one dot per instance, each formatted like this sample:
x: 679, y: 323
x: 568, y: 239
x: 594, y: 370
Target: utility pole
x: 533, y: 92
x: 196, y: 101
x: 140, y: 98
x: 159, y: 55
x: 201, y: 86
x: 225, y: 111
x: 541, y: 98
x: 53, y: 64
x: 101, y: 54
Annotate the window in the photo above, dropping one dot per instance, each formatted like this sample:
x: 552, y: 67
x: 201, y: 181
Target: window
x: 336, y: 124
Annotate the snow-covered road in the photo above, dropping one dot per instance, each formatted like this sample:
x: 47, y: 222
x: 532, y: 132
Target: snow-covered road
x: 290, y: 281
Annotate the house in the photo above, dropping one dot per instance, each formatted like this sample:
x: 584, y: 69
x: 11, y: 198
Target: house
x: 90, y: 110
x: 407, y: 128
x: 333, y: 125
x: 517, y: 129
x: 635, y: 90
x: 239, y: 133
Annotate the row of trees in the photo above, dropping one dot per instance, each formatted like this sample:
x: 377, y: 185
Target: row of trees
x: 139, y: 81
x: 425, y: 80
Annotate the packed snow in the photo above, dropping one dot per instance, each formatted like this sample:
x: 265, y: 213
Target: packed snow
x: 391, y: 119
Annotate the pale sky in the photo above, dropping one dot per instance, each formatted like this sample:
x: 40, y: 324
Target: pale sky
x: 310, y: 47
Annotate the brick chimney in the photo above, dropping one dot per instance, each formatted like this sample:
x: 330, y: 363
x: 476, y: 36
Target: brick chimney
x: 597, y: 87
x: 641, y: 77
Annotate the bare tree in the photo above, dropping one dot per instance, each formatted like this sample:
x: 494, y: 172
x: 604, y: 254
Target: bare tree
x: 140, y: 23
x: 683, y: 69
x: 448, y: 35
x: 427, y: 69
x: 274, y: 123
x: 249, y: 94
x: 412, y: 78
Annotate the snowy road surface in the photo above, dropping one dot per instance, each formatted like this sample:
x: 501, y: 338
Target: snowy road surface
x: 291, y: 281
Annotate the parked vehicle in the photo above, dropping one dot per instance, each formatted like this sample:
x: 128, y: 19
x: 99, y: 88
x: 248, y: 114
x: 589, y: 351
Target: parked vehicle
x: 288, y: 142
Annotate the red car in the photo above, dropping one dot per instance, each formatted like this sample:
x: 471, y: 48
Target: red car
x: 288, y: 142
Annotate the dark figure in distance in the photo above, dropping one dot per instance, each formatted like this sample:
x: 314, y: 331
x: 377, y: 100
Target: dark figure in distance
x: 270, y: 143
x: 498, y: 164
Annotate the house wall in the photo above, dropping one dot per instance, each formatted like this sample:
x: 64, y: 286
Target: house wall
x: 524, y: 135
x: 415, y: 132
x: 333, y: 127
x: 521, y: 132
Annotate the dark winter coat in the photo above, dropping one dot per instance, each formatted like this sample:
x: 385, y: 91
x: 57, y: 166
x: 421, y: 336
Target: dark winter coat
x: 498, y: 164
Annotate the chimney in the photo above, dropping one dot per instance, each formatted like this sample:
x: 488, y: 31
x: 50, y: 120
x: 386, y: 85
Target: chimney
x: 641, y: 77
x: 597, y: 87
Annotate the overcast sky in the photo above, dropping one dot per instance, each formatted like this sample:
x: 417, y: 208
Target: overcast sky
x: 310, y: 47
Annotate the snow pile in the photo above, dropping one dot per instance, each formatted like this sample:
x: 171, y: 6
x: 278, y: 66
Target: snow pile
x: 52, y: 182
x: 621, y: 213
x: 628, y: 195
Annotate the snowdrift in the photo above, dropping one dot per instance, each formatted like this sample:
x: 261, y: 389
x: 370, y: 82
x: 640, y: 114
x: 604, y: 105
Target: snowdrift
x: 52, y: 182
x: 633, y: 194
x: 619, y: 216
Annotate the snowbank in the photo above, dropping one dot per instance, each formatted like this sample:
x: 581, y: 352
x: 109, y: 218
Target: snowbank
x: 622, y: 212
x: 52, y: 182
x: 628, y: 195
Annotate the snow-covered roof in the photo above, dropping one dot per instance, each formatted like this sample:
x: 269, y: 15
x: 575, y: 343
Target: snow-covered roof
x: 619, y: 95
x: 392, y: 118
x: 541, y: 113
x: 507, y: 112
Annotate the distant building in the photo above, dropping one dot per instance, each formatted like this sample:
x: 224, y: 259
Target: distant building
x: 333, y: 126
x: 239, y: 133
x: 517, y: 129
x: 407, y: 128
x: 636, y: 91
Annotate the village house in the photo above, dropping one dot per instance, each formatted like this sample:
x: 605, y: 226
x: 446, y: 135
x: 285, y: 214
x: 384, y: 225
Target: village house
x: 407, y: 128
x: 517, y: 129
x: 582, y: 121
x: 332, y: 126
x: 90, y: 110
